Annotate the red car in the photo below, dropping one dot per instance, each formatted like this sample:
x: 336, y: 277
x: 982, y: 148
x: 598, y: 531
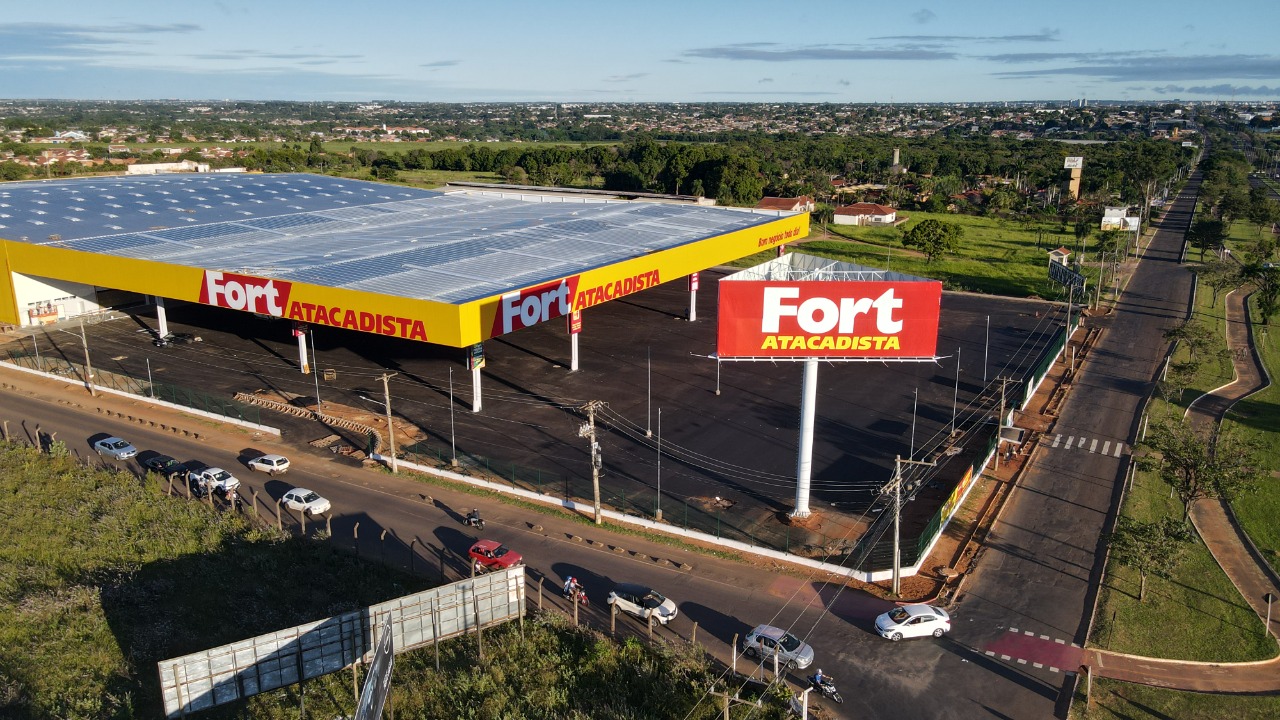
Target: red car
x: 493, y: 555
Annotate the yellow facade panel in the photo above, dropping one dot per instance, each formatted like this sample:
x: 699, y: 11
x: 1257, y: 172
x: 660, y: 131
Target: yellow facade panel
x: 411, y: 319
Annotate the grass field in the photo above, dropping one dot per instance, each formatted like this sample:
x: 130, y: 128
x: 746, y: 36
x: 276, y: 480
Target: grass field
x: 1259, y: 417
x: 1213, y: 621
x: 1124, y: 701
x: 102, y: 576
x: 998, y: 257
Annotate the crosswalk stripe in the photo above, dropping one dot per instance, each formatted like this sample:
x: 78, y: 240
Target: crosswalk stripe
x: 1070, y: 439
x: 1106, y: 448
x: 1119, y: 446
x: 1082, y: 441
x: 1093, y: 446
x: 1056, y: 439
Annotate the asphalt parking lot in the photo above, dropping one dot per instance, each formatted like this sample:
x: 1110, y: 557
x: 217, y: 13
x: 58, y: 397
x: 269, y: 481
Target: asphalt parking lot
x: 728, y: 434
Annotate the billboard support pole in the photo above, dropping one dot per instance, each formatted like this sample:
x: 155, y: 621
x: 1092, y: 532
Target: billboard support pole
x: 804, y: 462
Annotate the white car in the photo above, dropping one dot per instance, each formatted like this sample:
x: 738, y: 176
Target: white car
x: 908, y: 621
x: 270, y: 464
x: 115, y: 447
x: 305, y: 500
x: 214, y: 479
x: 642, y: 602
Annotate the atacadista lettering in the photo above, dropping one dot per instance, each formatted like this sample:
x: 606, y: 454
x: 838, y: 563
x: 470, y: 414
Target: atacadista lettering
x: 608, y: 291
x: 335, y: 316
x: 828, y: 342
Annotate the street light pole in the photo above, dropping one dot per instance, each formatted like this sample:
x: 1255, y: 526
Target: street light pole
x: 657, y: 512
x: 88, y: 368
x: 315, y: 371
x: 453, y: 442
x: 391, y: 430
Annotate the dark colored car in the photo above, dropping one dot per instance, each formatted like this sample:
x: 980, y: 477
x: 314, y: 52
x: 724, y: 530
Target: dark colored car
x: 163, y: 464
x: 175, y: 339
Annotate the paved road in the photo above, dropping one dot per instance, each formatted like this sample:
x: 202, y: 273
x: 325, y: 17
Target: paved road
x: 934, y: 678
x: 1030, y: 598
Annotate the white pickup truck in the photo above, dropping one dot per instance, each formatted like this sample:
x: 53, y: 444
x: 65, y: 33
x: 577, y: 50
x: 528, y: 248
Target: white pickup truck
x: 213, y: 478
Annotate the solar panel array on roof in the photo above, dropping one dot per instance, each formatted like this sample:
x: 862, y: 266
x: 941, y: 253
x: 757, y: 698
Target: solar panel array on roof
x: 353, y: 234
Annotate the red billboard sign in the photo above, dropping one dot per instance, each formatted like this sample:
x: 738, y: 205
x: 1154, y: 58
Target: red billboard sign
x: 828, y: 319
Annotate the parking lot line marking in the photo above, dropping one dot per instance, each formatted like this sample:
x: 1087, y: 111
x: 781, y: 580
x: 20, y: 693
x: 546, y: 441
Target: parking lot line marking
x: 1056, y: 439
x: 1093, y: 446
x: 1119, y: 446
x: 1106, y: 448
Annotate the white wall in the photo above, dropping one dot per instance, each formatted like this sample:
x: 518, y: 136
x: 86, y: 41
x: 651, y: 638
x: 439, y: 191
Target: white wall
x: 68, y: 299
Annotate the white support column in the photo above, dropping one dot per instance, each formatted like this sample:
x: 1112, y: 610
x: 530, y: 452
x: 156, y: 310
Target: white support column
x: 573, y: 352
x: 804, y: 460
x: 303, y: 361
x: 162, y: 318
x: 475, y: 390
x: 693, y: 297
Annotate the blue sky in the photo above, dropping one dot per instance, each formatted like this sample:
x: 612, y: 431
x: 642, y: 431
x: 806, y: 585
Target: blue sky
x: 816, y: 51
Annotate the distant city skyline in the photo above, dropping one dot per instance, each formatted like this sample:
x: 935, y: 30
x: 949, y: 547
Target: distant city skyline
x: 660, y: 51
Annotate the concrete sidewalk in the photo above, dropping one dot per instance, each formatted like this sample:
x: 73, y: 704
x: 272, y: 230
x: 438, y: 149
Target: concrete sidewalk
x: 1228, y: 543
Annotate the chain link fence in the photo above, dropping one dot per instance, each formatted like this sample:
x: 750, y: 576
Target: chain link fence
x: 141, y: 387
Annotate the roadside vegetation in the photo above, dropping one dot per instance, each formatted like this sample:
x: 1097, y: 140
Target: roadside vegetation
x: 102, y: 575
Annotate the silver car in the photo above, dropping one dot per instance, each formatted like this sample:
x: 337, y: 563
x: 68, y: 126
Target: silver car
x: 115, y: 447
x: 765, y: 640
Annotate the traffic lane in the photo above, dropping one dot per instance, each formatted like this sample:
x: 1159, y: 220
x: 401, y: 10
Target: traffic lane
x: 1040, y: 558
x: 726, y: 598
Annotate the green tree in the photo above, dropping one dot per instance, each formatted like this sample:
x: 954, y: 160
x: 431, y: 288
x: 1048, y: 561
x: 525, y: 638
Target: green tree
x: 1199, y: 467
x: 1207, y: 234
x: 1234, y: 205
x: 1266, y: 212
x: 1151, y: 548
x: 933, y: 238
x: 1219, y: 276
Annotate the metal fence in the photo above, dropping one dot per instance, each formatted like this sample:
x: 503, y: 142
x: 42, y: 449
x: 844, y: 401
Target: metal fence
x: 176, y: 394
x: 689, y: 514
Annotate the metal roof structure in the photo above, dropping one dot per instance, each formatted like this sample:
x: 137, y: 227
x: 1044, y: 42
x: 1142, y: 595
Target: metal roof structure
x: 353, y: 234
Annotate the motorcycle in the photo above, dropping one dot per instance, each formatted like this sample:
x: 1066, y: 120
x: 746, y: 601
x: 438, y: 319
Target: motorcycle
x: 827, y: 688
x: 474, y: 520
x: 579, y: 593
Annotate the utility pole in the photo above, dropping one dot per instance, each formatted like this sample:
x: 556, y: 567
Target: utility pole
x: 391, y: 430
x: 588, y: 430
x: 88, y: 368
x: 895, y: 487
x: 1000, y: 419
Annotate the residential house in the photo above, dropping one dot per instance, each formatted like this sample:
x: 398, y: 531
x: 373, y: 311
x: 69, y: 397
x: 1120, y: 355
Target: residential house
x: 804, y: 203
x: 865, y: 214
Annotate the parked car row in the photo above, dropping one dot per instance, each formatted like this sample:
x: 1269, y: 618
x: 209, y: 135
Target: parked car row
x: 203, y: 479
